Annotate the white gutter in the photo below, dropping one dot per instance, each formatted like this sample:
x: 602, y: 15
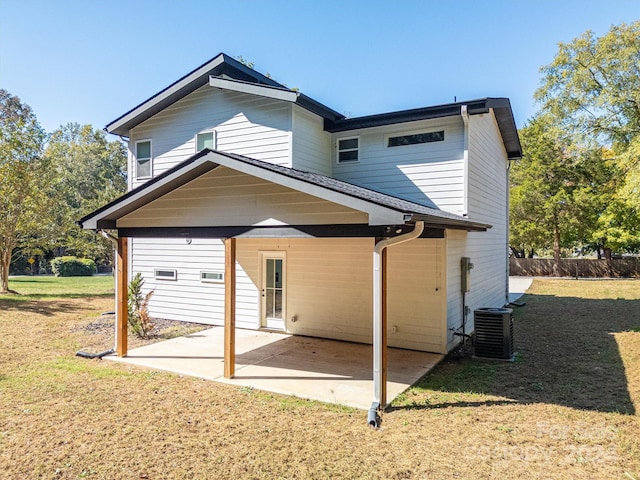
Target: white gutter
x: 465, y: 158
x: 377, y: 305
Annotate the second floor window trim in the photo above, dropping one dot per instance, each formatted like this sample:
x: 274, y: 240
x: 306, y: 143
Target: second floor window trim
x: 206, y: 139
x: 144, y: 159
x: 348, y: 150
x: 414, y: 138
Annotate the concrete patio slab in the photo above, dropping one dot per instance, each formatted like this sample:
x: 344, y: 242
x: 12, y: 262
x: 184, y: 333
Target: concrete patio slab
x: 314, y: 368
x: 518, y: 287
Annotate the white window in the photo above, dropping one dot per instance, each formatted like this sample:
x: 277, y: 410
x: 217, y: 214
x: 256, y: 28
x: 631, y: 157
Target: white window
x: 205, y: 140
x: 415, y: 138
x: 165, y: 274
x: 348, y: 150
x: 144, y: 167
x: 212, y: 277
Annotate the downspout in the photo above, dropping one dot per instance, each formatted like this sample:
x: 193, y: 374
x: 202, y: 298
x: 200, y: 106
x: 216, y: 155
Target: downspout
x: 377, y: 314
x: 465, y: 158
x: 508, y: 229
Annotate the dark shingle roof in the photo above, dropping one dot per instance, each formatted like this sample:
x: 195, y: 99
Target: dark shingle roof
x: 356, y: 191
x: 199, y: 164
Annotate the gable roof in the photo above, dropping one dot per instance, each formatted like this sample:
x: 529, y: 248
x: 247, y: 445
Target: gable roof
x: 222, y: 71
x: 500, y: 106
x: 218, y: 66
x: 382, y: 209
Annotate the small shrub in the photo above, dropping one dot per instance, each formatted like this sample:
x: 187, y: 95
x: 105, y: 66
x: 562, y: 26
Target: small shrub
x: 139, y: 319
x: 73, y: 267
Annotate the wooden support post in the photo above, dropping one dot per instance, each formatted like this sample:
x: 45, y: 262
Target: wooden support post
x: 229, y: 307
x: 383, y: 385
x: 122, y: 281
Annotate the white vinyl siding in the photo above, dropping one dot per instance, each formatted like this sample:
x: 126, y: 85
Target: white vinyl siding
x: 417, y: 297
x: 224, y: 197
x: 311, y: 144
x: 206, y: 301
x: 488, y: 250
x: 329, y: 288
x: 245, y: 124
x: 488, y: 202
x: 430, y: 173
x: 456, y: 249
x: 329, y: 281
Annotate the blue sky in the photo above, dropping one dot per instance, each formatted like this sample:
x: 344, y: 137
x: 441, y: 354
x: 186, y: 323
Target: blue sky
x: 90, y: 61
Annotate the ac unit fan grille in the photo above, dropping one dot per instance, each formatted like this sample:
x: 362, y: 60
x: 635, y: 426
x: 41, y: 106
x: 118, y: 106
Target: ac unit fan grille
x: 494, y: 333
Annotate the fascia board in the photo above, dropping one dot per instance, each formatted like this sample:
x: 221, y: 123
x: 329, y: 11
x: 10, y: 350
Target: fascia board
x: 252, y: 89
x: 462, y: 224
x: 126, y: 118
x: 142, y: 197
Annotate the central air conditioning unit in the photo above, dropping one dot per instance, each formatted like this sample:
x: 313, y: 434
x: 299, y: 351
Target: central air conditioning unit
x: 494, y: 333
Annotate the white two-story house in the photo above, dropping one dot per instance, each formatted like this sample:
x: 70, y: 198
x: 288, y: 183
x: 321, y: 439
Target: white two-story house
x: 307, y: 195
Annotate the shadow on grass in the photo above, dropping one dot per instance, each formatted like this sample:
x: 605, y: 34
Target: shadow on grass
x: 17, y: 298
x: 35, y: 304
x: 567, y: 355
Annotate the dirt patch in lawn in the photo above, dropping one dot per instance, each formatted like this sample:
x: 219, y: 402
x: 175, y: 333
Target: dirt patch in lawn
x: 100, y: 332
x: 566, y: 408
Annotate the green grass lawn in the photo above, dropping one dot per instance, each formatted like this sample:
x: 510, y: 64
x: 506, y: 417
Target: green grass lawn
x: 567, y: 408
x: 31, y: 288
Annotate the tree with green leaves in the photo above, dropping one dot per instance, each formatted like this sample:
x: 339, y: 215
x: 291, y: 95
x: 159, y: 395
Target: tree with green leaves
x: 593, y: 85
x: 542, y: 183
x: 560, y: 190
x: 22, y: 196
x: 85, y: 171
x: 592, y: 90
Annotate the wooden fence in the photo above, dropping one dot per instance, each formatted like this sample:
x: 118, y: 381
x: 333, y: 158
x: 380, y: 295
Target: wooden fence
x: 575, y: 267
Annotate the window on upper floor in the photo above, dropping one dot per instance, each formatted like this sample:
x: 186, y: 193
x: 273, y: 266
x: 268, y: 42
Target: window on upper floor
x: 205, y: 140
x: 144, y: 164
x: 415, y: 139
x: 348, y: 150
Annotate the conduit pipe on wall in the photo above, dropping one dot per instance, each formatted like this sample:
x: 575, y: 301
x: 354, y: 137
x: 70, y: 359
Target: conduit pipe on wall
x: 377, y: 305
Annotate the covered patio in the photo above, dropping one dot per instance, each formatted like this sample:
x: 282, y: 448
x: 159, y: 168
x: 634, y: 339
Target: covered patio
x: 230, y: 197
x: 312, y: 368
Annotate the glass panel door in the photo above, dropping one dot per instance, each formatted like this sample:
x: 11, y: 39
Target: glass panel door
x: 273, y: 293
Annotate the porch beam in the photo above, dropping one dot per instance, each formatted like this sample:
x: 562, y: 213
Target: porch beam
x: 229, y: 307
x: 122, y: 311
x: 291, y: 231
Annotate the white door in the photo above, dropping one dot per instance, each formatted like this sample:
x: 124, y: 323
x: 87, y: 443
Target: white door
x: 273, y: 290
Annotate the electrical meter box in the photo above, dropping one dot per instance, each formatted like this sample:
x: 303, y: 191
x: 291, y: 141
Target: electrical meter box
x: 465, y: 273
